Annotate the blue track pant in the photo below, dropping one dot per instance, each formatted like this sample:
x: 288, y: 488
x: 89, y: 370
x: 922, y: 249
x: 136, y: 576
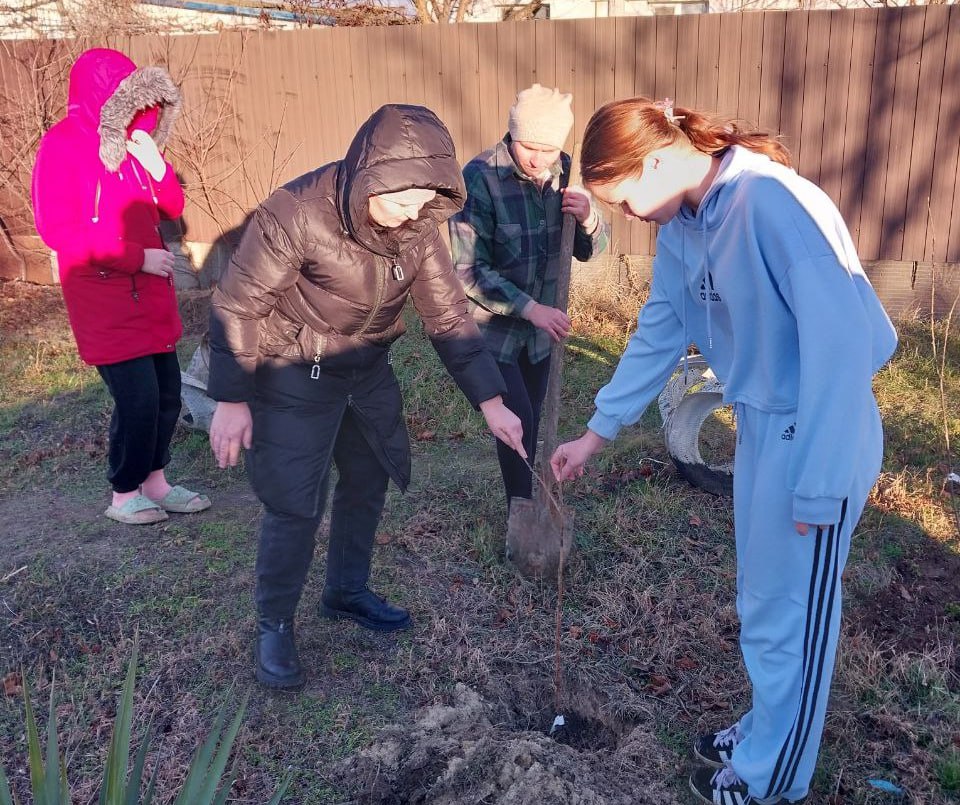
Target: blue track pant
x: 788, y: 600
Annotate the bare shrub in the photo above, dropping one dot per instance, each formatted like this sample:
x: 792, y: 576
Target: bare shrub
x: 608, y: 304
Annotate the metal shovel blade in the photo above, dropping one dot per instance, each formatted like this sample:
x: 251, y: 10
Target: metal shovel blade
x: 539, y: 537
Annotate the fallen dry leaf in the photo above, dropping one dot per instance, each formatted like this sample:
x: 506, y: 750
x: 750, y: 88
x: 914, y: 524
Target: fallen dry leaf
x: 659, y: 684
x: 12, y: 684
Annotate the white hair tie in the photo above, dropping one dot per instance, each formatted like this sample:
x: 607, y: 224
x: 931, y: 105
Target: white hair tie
x: 666, y: 106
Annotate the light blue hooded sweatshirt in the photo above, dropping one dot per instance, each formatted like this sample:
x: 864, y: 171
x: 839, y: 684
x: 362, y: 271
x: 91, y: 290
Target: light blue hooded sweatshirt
x: 764, y: 278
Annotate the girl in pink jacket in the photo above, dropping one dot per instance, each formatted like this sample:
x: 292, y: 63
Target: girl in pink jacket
x: 100, y: 187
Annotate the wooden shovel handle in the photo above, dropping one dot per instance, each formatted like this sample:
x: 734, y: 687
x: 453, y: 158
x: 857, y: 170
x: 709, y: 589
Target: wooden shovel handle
x: 551, y: 409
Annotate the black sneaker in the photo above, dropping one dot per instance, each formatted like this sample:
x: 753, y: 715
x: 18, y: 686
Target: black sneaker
x: 719, y: 787
x: 716, y: 749
x: 724, y: 787
x: 367, y: 608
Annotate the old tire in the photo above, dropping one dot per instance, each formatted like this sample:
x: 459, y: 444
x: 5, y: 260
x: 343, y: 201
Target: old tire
x: 687, y: 401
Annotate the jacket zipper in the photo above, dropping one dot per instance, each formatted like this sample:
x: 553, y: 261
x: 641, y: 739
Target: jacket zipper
x: 133, y: 288
x: 96, y: 205
x: 381, y: 284
x: 319, y: 343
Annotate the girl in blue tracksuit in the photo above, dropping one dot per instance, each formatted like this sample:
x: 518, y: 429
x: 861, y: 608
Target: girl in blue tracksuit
x: 756, y: 266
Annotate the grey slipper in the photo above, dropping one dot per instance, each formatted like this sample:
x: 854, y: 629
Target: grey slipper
x: 139, y: 510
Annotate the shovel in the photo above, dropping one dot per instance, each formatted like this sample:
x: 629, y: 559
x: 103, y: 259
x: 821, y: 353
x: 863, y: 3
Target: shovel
x: 540, y: 529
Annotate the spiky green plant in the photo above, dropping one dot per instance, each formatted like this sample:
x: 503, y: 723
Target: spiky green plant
x: 205, y: 783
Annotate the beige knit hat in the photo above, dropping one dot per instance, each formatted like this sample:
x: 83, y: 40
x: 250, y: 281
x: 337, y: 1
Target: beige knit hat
x: 541, y: 115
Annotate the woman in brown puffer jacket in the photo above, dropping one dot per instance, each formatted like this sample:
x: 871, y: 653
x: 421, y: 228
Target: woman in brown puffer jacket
x: 301, y: 327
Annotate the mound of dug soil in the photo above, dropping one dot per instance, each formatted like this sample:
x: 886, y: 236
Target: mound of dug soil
x: 455, y: 754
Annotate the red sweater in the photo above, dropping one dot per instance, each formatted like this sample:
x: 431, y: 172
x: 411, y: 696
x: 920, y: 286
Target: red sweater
x: 99, y: 223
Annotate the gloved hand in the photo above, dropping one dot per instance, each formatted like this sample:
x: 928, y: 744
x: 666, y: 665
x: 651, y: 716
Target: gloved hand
x: 142, y: 148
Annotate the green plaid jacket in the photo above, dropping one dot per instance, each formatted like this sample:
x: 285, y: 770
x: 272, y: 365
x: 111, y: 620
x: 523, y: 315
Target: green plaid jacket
x: 502, y: 241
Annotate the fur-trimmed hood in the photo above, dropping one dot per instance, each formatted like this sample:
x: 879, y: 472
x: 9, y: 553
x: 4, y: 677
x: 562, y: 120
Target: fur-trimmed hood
x: 107, y: 90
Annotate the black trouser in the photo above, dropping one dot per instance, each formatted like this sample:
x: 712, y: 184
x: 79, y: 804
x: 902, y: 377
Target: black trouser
x: 146, y: 396
x: 304, y: 421
x: 287, y: 540
x: 526, y: 388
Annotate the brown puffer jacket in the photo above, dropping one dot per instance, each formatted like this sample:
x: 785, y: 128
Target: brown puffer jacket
x: 313, y: 281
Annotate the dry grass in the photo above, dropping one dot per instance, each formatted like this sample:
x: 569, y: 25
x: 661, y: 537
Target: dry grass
x: 606, y: 304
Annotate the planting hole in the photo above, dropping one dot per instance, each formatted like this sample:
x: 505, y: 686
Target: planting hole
x: 582, y: 732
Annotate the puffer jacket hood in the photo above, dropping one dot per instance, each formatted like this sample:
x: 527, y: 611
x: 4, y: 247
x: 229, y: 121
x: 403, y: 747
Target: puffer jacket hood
x: 106, y: 92
x: 399, y: 147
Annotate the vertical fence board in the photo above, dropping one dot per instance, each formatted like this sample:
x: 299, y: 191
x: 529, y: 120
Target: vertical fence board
x: 526, y: 53
x: 432, y: 66
x: 349, y: 120
x: 902, y: 131
x: 450, y: 86
x: 639, y: 75
x: 396, y: 69
x: 728, y: 68
x: 277, y: 156
x: 267, y: 114
x: 688, y: 43
x: 358, y: 48
x: 491, y: 121
x: 836, y: 103
x: 878, y: 134
x: 708, y: 60
x: 380, y: 67
x: 410, y: 35
x: 668, y: 37
x: 772, y: 69
x: 950, y: 119
x: 606, y: 67
x: 565, y: 51
x: 470, y: 89
x: 546, y: 36
x: 505, y: 69
x: 791, y: 92
x: 916, y: 243
x: 584, y: 77
x: 814, y: 95
x: 857, y: 122
x: 751, y: 56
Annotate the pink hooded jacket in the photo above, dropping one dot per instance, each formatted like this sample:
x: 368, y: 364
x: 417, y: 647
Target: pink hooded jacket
x: 98, y: 208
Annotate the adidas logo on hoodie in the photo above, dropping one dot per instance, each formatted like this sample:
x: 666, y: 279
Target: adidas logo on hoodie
x: 714, y: 296
x: 788, y: 434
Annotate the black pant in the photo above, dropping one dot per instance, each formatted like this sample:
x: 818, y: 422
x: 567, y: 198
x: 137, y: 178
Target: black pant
x: 526, y: 388
x: 287, y: 540
x: 146, y: 396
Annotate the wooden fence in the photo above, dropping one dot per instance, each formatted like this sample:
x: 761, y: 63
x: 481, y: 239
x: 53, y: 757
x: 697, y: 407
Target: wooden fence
x: 867, y: 100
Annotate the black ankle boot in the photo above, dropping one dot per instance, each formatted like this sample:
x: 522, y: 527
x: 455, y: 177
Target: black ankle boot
x: 278, y: 665
x: 366, y: 608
